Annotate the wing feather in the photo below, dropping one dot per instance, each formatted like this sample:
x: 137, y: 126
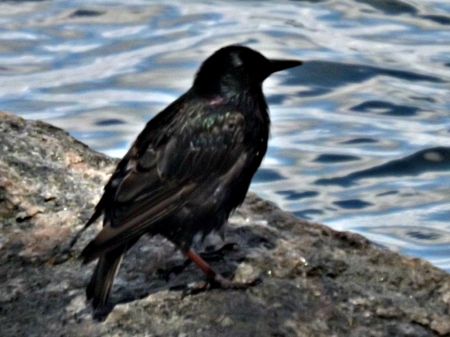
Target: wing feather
x: 164, y: 170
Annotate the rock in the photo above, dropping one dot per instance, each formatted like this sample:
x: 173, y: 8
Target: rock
x: 315, y: 281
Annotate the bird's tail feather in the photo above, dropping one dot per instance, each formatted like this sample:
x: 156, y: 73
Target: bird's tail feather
x: 102, y: 279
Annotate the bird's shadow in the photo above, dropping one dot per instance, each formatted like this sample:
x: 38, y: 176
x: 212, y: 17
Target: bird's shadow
x: 154, y: 265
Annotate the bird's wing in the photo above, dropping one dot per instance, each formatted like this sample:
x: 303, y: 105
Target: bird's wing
x: 165, y: 168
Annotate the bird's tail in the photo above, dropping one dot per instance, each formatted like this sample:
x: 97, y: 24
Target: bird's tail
x: 102, y: 279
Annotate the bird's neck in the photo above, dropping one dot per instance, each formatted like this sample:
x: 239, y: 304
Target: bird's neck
x: 249, y: 101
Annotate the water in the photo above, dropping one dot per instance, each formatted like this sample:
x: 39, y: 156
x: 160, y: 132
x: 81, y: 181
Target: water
x: 360, y: 137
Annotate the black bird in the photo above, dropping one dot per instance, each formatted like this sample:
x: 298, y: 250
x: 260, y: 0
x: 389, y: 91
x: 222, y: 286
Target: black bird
x: 189, y: 168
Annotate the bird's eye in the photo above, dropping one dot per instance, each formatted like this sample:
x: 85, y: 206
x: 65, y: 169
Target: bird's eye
x: 236, y: 60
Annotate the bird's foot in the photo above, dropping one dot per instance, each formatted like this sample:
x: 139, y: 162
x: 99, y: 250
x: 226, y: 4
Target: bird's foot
x: 214, y: 280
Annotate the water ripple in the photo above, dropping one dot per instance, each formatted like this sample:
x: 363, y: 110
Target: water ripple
x: 425, y: 161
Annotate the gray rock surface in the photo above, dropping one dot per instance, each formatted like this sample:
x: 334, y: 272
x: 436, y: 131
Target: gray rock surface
x: 315, y: 281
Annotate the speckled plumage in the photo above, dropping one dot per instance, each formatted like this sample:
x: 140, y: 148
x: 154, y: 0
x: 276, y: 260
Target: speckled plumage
x: 190, y: 167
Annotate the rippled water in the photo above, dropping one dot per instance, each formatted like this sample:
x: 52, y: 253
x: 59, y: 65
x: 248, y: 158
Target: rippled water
x: 360, y: 137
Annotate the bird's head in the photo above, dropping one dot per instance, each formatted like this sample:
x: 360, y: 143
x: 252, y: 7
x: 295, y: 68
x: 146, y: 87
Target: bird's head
x: 236, y: 69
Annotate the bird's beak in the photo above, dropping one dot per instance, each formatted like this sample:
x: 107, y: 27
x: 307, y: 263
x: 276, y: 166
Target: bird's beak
x: 278, y: 65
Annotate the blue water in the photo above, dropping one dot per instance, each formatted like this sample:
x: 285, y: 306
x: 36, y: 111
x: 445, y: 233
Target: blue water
x: 361, y: 132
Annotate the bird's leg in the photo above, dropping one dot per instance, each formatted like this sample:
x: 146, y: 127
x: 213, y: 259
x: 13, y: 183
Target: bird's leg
x: 216, y: 255
x: 205, y: 267
x: 215, y: 279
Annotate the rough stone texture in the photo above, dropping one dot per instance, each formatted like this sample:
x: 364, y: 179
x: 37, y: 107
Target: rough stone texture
x: 315, y: 281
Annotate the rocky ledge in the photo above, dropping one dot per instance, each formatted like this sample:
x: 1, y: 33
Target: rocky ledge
x: 315, y: 281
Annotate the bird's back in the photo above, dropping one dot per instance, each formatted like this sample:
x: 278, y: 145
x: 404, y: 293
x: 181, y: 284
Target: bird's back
x: 188, y: 169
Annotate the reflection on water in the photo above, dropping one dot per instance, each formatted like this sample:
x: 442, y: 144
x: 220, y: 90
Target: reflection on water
x: 421, y: 162
x: 361, y: 132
